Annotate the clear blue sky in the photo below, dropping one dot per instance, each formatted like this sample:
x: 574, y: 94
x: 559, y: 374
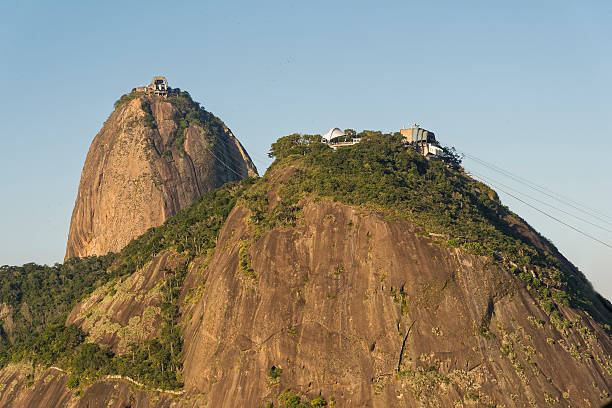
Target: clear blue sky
x: 525, y: 85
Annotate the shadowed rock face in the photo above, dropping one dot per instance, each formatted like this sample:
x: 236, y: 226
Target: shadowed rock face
x: 140, y: 171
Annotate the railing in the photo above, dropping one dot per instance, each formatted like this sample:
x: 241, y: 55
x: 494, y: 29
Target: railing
x: 351, y: 142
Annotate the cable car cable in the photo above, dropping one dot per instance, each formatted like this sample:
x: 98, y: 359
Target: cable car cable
x: 534, y: 186
x: 550, y: 216
x: 539, y: 201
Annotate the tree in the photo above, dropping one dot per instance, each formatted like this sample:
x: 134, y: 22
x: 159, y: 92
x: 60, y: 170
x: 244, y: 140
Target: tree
x: 295, y: 144
x: 451, y: 157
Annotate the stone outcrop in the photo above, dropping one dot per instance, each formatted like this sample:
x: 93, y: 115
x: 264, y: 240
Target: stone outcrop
x: 373, y: 314
x: 24, y: 388
x: 126, y: 311
x: 357, y: 308
x: 364, y: 309
x: 147, y: 163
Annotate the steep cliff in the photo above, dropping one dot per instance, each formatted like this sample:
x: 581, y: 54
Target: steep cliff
x: 364, y: 277
x: 153, y: 157
x: 372, y: 313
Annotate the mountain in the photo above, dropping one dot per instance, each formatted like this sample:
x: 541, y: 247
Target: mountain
x: 154, y: 156
x: 366, y: 276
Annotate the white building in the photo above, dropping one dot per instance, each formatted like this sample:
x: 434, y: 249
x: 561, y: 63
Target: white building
x: 423, y: 140
x: 332, y: 134
x: 337, y: 138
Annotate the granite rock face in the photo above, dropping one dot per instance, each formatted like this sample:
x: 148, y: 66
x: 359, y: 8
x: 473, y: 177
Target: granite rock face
x: 368, y: 311
x: 126, y: 311
x: 348, y: 303
x: 148, y: 162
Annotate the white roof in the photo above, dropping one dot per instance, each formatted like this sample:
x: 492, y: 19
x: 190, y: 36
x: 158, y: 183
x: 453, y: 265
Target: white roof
x: 333, y: 132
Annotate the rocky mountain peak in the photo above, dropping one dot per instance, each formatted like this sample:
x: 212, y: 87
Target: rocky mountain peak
x: 155, y: 155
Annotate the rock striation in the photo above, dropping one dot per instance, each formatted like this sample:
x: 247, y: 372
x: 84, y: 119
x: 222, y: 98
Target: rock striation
x: 371, y: 313
x: 153, y: 157
x: 388, y: 319
x: 345, y: 303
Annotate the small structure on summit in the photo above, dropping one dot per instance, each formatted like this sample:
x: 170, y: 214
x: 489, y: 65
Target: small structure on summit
x: 158, y: 86
x: 336, y: 138
x: 332, y: 134
x: 424, y: 141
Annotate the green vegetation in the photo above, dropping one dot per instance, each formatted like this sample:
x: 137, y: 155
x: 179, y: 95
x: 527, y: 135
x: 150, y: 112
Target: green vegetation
x: 485, y: 332
x: 192, y: 231
x: 191, y: 113
x: 536, y: 322
x: 400, y: 297
x: 154, y: 362
x: 61, y: 345
x: 157, y: 361
x: 41, y: 336
x: 381, y: 174
x: 88, y: 361
x: 289, y: 399
x: 39, y: 294
x: 274, y: 374
x: 245, y: 260
x: 188, y: 113
x: 148, y: 118
x: 126, y: 98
